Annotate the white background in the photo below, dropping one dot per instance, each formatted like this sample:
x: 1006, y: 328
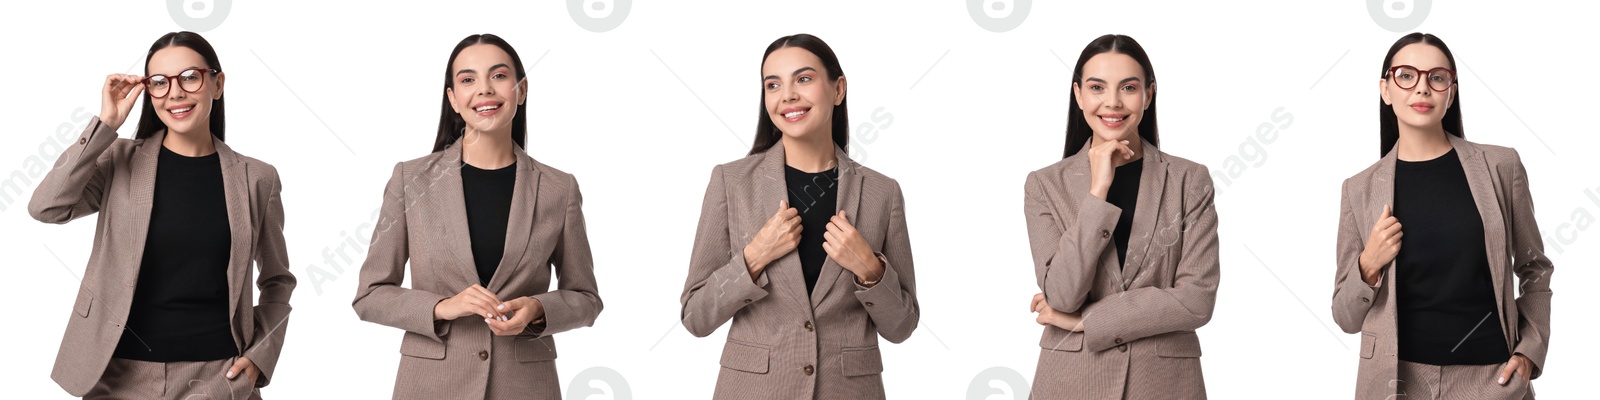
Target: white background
x: 334, y: 93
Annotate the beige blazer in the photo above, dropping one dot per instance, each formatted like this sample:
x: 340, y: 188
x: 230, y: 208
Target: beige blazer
x: 424, y: 221
x: 117, y: 179
x: 1500, y: 189
x: 783, y: 344
x: 1139, y: 319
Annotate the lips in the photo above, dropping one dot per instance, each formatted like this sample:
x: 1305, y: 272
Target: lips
x: 1422, y: 107
x: 487, y: 108
x: 180, y: 111
x: 795, y: 114
x: 1113, y: 120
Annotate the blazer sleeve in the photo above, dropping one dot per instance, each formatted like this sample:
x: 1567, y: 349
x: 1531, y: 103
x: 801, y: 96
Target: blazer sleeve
x: 1352, y: 297
x: 1065, y: 260
x: 892, y: 302
x: 719, y: 283
x: 76, y: 185
x: 1533, y: 270
x: 275, y: 283
x: 380, y: 298
x: 576, y: 301
x: 1150, y: 311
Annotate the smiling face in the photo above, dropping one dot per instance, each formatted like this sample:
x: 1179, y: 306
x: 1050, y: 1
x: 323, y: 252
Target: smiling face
x: 181, y: 111
x: 484, y: 88
x: 1113, y: 95
x: 799, y: 97
x: 1420, y: 107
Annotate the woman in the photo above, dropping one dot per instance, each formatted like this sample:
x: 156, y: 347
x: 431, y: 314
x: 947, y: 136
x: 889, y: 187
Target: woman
x: 165, y: 309
x: 1440, y: 316
x: 482, y: 224
x: 811, y: 278
x: 1124, y: 243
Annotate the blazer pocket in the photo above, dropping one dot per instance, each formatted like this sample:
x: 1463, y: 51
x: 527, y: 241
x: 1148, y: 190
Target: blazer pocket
x: 1061, y: 340
x: 532, y: 348
x: 1180, y: 344
x: 419, y: 346
x: 1369, y: 342
x: 747, y: 357
x: 862, y: 361
x: 81, y: 306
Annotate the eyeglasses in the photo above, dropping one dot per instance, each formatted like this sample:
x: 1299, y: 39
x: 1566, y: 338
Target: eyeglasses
x: 1405, y: 77
x: 190, y: 80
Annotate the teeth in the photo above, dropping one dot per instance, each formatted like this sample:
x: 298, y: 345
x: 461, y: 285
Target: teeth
x: 1109, y: 119
x: 181, y: 110
x: 487, y: 108
x: 794, y: 114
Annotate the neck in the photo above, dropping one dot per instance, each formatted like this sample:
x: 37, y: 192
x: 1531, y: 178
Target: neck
x: 190, y: 144
x: 487, y: 150
x: 811, y: 153
x: 1421, y: 143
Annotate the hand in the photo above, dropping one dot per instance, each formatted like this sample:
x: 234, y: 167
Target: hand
x: 1518, y: 365
x: 1103, y: 164
x: 779, y: 236
x: 519, y: 313
x: 846, y: 246
x: 474, y: 300
x: 1050, y: 316
x: 1382, y: 246
x: 117, y: 98
x: 244, y: 366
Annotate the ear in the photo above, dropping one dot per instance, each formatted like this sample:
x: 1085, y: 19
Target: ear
x: 1151, y: 97
x: 450, y: 94
x: 522, y: 91
x: 1077, y: 95
x: 839, y: 86
x: 1383, y: 91
x: 221, y: 76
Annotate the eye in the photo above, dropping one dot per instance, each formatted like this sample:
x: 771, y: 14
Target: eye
x: 499, y: 75
x: 1097, y: 88
x: 466, y: 80
x: 805, y: 79
x: 158, y: 82
x: 1130, y: 88
x: 1406, y: 76
x: 771, y: 85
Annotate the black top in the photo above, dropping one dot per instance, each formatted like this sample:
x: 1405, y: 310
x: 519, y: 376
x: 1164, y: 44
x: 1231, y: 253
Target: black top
x: 488, y: 198
x: 180, y: 304
x: 1124, y: 194
x: 1444, y: 296
x: 815, y: 196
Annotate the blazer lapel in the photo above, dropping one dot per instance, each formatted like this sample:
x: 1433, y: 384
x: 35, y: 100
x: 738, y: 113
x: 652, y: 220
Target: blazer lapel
x: 1152, y: 182
x: 451, y: 206
x: 1483, y: 194
x: 236, y: 192
x: 770, y: 187
x: 849, y: 200
x: 519, y: 229
x: 1380, y: 193
x: 143, y: 193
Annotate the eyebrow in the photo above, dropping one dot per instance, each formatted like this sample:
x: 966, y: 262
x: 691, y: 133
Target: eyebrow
x: 796, y: 72
x: 471, y: 71
x: 1124, y: 80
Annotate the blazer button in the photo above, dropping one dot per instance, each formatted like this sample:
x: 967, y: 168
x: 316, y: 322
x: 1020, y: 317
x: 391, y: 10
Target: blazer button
x: 868, y: 304
x: 808, y: 327
x: 747, y: 301
x: 808, y: 370
x: 483, y: 355
x: 1104, y: 234
x: 1122, y: 348
x: 83, y: 141
x: 1117, y: 340
x: 1364, y: 300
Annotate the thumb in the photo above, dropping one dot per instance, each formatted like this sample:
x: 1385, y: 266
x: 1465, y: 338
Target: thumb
x: 1506, y: 371
x: 1387, y: 212
x: 510, y: 305
x: 238, y: 365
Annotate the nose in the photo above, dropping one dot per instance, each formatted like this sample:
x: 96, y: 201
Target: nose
x: 1423, y: 89
x: 486, y: 89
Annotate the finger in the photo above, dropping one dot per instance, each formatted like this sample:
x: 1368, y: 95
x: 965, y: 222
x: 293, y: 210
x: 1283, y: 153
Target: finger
x: 831, y: 236
x: 1505, y: 372
x: 238, y: 365
x: 790, y: 212
x: 485, y: 291
x: 1387, y: 212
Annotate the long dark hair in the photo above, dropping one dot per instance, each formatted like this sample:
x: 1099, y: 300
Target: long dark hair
x: 149, y: 122
x: 451, y: 125
x: 767, y: 134
x: 1078, y: 130
x: 1388, y: 122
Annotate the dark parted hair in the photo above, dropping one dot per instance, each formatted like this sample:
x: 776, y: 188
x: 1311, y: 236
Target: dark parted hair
x: 1388, y: 122
x: 1078, y: 130
x: 149, y: 122
x: 767, y: 134
x: 451, y: 125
